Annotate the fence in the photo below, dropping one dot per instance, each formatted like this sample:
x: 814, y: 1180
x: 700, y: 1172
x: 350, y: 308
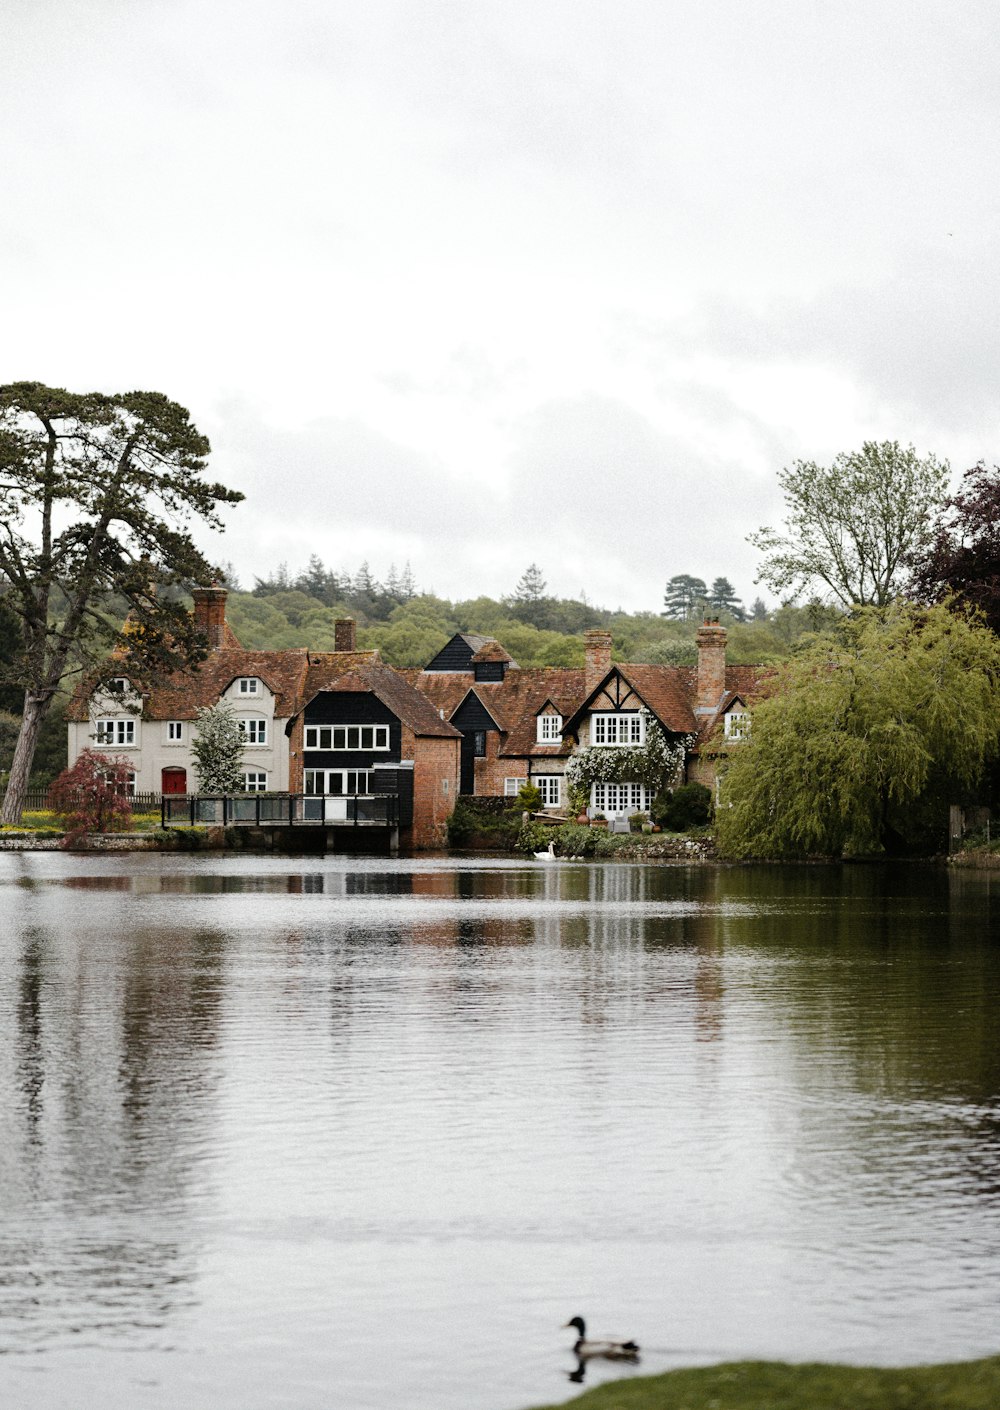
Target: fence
x: 279, y: 810
x: 36, y: 800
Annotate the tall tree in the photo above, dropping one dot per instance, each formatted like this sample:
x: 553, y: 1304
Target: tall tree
x: 96, y: 495
x: 531, y: 587
x: 854, y: 527
x: 722, y: 597
x: 684, y: 596
x: 963, y: 556
x: 867, y: 736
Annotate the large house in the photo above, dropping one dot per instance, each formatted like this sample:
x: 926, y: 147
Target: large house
x: 343, y: 724
x: 522, y: 726
x: 333, y: 724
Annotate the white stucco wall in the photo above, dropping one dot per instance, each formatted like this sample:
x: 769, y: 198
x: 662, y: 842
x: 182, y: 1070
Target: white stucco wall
x: 153, y: 751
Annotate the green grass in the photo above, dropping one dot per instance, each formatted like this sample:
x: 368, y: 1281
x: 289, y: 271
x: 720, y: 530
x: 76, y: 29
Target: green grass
x: 776, y: 1385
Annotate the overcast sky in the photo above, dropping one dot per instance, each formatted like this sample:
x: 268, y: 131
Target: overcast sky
x: 479, y: 284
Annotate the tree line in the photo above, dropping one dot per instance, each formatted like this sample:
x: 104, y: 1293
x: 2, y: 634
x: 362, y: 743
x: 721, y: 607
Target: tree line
x: 99, y: 494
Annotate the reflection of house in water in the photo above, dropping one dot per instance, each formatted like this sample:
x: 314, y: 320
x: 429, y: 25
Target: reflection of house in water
x: 114, y: 1094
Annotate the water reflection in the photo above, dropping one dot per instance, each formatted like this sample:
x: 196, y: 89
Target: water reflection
x: 756, y: 1111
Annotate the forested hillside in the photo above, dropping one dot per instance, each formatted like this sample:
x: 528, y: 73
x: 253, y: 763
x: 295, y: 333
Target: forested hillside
x: 409, y: 627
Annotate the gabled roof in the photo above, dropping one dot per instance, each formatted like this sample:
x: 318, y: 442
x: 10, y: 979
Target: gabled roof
x: 492, y: 651
x: 667, y: 691
x: 517, y: 701
x: 384, y: 682
x: 181, y: 695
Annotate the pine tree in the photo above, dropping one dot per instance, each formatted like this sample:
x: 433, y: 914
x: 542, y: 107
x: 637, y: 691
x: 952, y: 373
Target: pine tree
x: 531, y: 586
x: 723, y: 599
x: 683, y: 597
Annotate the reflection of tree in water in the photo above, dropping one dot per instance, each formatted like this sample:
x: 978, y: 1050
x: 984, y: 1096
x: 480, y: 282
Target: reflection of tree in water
x: 114, y: 1087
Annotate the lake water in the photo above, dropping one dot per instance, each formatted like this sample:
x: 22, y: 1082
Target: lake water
x: 349, y: 1132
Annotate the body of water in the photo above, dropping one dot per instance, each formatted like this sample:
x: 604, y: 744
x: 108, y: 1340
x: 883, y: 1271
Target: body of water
x: 286, y: 1132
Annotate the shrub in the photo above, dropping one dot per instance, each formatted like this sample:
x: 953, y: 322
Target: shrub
x: 528, y: 799
x: 92, y: 796
x: 683, y: 808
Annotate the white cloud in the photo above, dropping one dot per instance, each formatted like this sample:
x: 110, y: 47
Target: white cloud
x: 460, y: 284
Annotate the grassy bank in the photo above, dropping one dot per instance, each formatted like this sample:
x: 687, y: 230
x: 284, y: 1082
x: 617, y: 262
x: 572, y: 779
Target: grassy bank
x: 775, y: 1385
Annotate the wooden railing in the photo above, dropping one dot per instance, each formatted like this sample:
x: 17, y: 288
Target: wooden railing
x: 36, y: 800
x: 279, y: 810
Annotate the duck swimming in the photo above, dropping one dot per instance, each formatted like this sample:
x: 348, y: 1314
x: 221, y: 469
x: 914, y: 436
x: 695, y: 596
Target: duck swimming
x: 610, y: 1350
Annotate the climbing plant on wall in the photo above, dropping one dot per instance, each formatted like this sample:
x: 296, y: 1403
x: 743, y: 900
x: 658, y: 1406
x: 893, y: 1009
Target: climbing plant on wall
x: 657, y: 762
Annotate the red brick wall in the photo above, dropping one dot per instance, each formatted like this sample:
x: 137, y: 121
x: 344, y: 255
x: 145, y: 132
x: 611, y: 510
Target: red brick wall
x: 210, y: 613
x: 711, y: 666
x: 435, y: 787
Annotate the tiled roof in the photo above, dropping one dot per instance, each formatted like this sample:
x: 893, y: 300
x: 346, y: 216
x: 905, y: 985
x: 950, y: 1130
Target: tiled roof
x: 184, y: 693
x: 385, y: 682
x: 492, y: 651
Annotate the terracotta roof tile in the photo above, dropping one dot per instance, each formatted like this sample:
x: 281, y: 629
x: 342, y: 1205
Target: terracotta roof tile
x: 385, y: 682
x: 493, y: 651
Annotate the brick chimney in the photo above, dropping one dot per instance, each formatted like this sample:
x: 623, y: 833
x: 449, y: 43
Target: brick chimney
x: 711, y: 666
x: 345, y: 634
x: 597, y: 649
x: 210, y: 613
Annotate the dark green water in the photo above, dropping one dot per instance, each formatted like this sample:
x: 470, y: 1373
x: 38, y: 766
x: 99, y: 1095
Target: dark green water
x: 300, y: 1132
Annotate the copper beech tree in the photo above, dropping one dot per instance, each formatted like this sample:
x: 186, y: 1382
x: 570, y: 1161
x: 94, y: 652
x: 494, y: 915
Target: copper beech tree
x: 97, y: 496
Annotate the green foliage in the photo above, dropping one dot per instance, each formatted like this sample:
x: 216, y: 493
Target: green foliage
x: 853, y: 528
x: 218, y: 750
x: 654, y: 763
x: 529, y: 799
x: 480, y: 820
x: 680, y: 809
x: 871, y: 731
x: 685, y: 596
x: 775, y: 1385
x: 722, y: 598
x: 96, y: 495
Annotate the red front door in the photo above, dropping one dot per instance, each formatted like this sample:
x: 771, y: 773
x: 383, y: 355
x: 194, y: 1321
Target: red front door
x: 173, y: 781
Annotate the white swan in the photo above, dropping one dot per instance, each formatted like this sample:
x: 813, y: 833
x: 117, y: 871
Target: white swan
x: 547, y: 856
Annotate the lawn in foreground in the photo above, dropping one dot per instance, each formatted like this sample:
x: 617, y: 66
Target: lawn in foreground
x: 776, y: 1385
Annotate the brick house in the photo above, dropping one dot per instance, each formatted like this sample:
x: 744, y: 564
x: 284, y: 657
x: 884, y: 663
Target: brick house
x: 524, y: 725
x: 331, y: 723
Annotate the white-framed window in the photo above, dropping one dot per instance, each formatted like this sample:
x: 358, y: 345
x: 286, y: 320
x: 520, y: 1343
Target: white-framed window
x: 126, y: 786
x: 479, y: 743
x: 248, y: 685
x: 373, y: 737
x: 118, y: 685
x: 337, y: 781
x: 548, y: 729
x: 255, y: 730
x: 254, y: 782
x: 618, y: 799
x: 549, y: 786
x: 175, y: 731
x: 118, y: 734
x: 624, y: 729
x: 738, y: 724
x: 513, y: 786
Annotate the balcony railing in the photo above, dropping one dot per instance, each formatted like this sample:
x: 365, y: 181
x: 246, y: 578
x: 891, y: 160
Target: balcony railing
x: 279, y: 810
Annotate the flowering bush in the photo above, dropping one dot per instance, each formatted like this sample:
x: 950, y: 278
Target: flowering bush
x: 660, y: 760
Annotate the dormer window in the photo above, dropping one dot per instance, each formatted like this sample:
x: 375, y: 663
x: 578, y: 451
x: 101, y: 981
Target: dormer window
x: 738, y: 724
x: 248, y: 685
x: 117, y: 685
x: 549, y: 729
